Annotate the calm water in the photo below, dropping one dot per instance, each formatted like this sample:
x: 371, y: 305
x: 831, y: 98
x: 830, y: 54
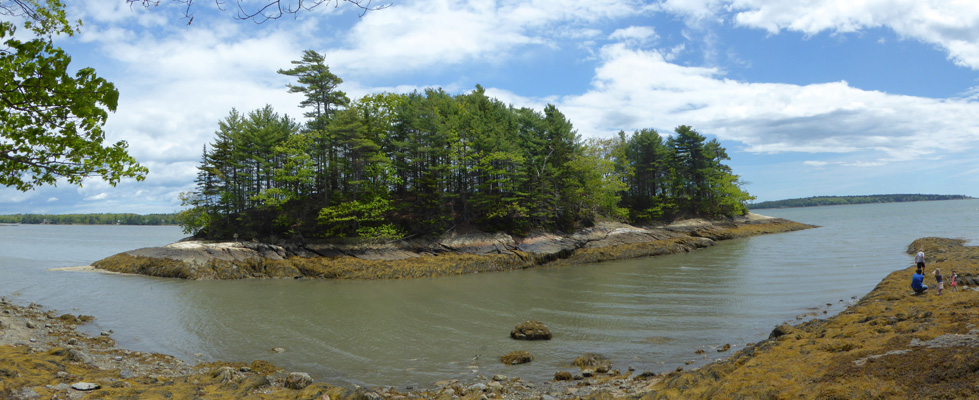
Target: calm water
x: 652, y: 313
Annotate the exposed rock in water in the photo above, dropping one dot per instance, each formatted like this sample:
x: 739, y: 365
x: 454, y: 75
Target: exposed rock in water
x: 592, y: 361
x: 531, y: 330
x: 517, y: 357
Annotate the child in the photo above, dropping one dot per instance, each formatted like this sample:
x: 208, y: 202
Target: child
x: 938, y: 279
x: 953, y: 284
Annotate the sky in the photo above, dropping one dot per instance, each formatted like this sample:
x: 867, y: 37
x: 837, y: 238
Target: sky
x: 809, y: 97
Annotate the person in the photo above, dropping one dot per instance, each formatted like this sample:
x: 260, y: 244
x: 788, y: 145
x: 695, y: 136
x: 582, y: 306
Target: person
x: 938, y: 281
x: 919, y: 259
x: 917, y: 282
x: 953, y: 284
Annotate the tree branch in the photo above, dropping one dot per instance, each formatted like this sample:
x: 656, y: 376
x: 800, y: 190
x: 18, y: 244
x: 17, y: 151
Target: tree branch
x: 274, y: 9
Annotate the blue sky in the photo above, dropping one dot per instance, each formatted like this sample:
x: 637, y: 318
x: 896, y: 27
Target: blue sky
x: 809, y: 97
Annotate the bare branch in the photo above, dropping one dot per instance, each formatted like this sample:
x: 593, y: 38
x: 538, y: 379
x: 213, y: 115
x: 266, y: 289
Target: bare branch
x: 274, y: 9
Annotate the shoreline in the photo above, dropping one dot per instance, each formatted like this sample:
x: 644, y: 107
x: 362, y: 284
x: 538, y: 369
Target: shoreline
x: 890, y: 343
x: 453, y: 254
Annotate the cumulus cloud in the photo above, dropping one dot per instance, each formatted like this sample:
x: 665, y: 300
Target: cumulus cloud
x: 949, y: 24
x: 636, y: 89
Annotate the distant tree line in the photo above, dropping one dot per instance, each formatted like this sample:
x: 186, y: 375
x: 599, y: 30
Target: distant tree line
x: 842, y: 200
x: 90, y: 219
x: 393, y: 165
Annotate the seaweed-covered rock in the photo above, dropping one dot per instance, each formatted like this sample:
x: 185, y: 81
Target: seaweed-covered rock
x: 298, y: 380
x: 531, y: 330
x: 592, y: 361
x: 517, y: 357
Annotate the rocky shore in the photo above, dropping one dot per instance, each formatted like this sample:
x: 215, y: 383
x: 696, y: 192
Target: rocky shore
x: 454, y: 253
x: 890, y: 344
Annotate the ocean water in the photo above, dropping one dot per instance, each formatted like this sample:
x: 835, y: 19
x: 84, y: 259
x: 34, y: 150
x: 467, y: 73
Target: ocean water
x: 651, y: 314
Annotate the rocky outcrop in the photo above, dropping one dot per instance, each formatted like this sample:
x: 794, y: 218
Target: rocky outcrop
x: 452, y: 254
x: 531, y: 330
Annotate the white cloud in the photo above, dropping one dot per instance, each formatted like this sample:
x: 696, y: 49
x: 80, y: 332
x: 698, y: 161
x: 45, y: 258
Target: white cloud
x: 100, y: 196
x: 949, y: 24
x: 634, y: 34
x: 636, y: 89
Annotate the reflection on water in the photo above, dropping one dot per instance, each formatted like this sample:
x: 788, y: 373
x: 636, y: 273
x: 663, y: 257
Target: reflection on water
x: 652, y: 314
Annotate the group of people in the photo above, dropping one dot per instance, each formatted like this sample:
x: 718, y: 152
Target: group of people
x: 918, y: 279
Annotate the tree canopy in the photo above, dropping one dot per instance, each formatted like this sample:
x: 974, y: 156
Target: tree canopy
x: 50, y: 119
x: 390, y: 165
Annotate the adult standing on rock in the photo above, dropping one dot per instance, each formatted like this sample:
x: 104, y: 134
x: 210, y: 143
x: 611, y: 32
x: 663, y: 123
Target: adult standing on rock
x: 919, y: 259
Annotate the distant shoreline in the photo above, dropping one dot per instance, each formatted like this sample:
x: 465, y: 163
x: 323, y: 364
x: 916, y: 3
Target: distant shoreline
x: 821, y: 201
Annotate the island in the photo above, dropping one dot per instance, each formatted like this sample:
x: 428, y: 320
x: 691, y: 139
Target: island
x: 843, y: 200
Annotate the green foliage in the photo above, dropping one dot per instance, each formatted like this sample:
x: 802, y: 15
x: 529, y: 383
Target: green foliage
x: 843, y: 200
x: 421, y: 163
x: 50, y: 121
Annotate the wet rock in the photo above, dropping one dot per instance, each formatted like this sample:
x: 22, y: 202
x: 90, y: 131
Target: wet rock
x: 278, y: 350
x: 592, y: 361
x: 298, y: 380
x: 780, y: 330
x: 499, y: 378
x: 531, y: 330
x: 724, y: 348
x: 85, y: 386
x: 563, y: 376
x: 30, y: 325
x: 517, y: 357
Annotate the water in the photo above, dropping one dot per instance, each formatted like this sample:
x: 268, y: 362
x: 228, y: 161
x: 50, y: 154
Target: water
x: 651, y: 313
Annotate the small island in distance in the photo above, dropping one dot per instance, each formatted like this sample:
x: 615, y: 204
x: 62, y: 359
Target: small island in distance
x: 843, y: 200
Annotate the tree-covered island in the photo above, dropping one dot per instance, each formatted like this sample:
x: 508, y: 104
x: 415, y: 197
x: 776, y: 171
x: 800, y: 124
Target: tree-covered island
x: 389, y: 166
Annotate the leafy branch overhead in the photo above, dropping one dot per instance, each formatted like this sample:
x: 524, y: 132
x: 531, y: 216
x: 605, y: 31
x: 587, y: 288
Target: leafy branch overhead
x: 260, y: 12
x: 51, y: 121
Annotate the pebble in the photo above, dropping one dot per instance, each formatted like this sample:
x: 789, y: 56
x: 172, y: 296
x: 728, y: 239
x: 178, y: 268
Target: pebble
x: 85, y: 386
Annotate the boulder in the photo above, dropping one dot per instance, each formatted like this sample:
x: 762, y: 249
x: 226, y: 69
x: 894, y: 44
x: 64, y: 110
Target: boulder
x: 592, y: 361
x: 563, y: 376
x: 298, y: 380
x: 780, y: 330
x: 517, y: 357
x: 531, y: 330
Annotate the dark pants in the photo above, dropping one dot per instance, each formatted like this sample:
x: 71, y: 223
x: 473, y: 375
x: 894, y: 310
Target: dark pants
x: 920, y: 291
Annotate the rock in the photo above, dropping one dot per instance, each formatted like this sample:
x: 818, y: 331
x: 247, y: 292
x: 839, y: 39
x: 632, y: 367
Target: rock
x: 30, y: 325
x: 531, y: 330
x: 106, y: 333
x: 224, y: 374
x: 254, y: 382
x: 780, y: 330
x: 78, y: 356
x: 499, y: 378
x: 479, y: 387
x: 592, y: 360
x: 587, y: 372
x: 85, y: 386
x: 298, y: 380
x: 517, y: 357
x: 724, y: 348
x: 26, y: 394
x: 495, y: 387
x: 278, y: 350
x: 563, y: 376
